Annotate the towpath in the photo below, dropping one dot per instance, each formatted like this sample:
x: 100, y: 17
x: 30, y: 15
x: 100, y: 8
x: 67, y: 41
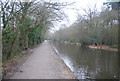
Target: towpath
x: 43, y: 63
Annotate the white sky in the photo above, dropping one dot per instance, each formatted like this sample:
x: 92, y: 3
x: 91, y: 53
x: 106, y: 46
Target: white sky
x: 72, y: 10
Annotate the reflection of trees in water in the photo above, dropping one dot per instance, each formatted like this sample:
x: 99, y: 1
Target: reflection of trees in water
x: 90, y: 63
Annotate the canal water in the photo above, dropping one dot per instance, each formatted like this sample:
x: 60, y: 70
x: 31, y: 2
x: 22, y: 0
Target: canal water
x: 87, y: 63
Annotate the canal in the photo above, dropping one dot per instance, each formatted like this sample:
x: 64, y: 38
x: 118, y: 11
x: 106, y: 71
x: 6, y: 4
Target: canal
x: 87, y: 63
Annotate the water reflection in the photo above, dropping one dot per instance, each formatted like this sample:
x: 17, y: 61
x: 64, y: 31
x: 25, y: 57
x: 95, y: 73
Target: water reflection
x: 89, y: 63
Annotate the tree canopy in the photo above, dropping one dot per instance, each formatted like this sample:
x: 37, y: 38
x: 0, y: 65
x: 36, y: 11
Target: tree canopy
x: 25, y: 23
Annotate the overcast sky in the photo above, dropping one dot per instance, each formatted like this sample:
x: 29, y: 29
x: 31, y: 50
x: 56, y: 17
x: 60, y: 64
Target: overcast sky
x: 72, y: 10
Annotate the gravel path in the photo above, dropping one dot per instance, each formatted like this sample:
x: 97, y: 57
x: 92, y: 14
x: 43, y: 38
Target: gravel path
x: 43, y: 63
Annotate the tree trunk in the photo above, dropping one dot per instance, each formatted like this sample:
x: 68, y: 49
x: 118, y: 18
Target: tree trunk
x: 26, y: 41
x: 11, y: 46
x: 21, y: 40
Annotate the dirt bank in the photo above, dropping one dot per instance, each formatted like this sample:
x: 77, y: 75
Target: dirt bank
x: 103, y: 47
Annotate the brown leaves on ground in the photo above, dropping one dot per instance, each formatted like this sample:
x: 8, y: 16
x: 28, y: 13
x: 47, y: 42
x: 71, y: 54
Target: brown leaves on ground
x: 12, y: 65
